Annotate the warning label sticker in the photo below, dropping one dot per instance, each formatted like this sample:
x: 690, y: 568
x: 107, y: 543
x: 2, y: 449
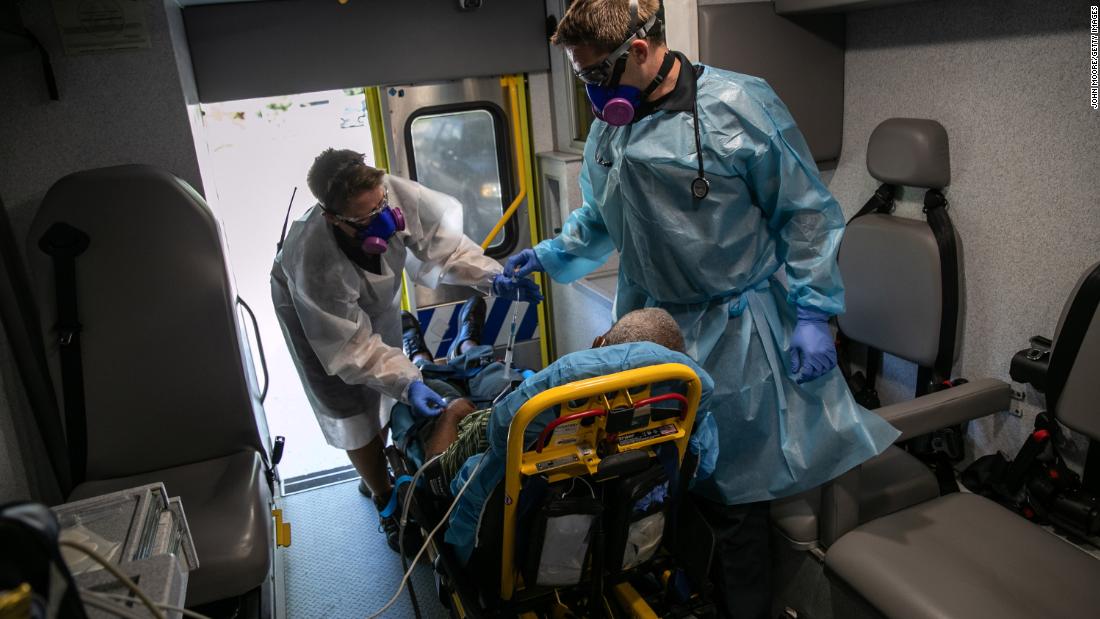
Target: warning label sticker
x: 644, y: 435
x: 556, y: 463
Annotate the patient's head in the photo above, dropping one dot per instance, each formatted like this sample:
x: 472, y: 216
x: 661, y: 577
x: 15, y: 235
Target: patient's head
x: 651, y: 324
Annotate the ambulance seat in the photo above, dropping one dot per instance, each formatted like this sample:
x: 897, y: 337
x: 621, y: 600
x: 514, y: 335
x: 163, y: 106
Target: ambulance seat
x: 962, y: 555
x: 894, y: 284
x: 170, y: 394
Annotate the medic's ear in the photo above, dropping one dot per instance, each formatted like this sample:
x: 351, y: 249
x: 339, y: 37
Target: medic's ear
x: 639, y: 51
x: 345, y: 228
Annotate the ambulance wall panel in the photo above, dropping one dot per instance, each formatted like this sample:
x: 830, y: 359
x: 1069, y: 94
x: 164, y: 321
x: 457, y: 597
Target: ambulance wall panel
x: 115, y: 108
x: 1009, y: 81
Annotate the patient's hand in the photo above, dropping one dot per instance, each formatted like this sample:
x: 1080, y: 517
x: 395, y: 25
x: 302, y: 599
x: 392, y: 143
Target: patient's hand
x: 445, y: 430
x: 458, y: 409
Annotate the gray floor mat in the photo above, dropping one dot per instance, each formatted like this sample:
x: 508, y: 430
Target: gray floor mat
x: 339, y: 564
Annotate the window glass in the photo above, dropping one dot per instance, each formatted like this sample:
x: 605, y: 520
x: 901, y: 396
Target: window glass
x: 457, y: 153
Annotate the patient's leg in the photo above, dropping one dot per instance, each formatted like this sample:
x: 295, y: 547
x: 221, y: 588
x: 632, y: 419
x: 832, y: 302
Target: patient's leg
x: 445, y: 429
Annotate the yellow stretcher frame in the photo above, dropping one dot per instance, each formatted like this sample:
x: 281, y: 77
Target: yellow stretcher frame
x: 581, y: 461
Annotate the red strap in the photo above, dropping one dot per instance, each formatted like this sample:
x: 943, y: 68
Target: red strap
x: 549, y: 429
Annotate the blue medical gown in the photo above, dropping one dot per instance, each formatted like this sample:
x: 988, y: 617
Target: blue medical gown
x: 462, y: 529
x: 714, y: 265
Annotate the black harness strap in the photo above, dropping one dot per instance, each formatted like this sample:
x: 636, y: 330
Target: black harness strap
x: 942, y: 447
x: 64, y: 243
x: 47, y: 68
x: 881, y: 202
x: 19, y: 320
x: 935, y: 207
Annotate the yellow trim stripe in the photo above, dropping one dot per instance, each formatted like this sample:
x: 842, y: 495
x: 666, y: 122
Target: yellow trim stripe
x: 534, y: 217
x: 377, y: 127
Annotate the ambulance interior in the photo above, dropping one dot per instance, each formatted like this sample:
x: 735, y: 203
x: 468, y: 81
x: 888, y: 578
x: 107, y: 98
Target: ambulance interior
x: 161, y: 147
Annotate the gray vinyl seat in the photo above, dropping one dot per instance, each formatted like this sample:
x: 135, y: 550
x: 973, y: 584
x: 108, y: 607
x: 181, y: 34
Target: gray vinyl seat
x: 962, y: 555
x: 894, y: 290
x: 170, y: 391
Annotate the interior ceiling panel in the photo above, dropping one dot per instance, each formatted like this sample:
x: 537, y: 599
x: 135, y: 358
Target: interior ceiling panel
x: 253, y: 49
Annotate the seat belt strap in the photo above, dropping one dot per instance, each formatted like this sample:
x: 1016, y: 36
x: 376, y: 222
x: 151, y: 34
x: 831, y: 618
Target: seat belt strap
x: 935, y: 207
x: 64, y: 243
x: 20, y: 321
x: 881, y: 202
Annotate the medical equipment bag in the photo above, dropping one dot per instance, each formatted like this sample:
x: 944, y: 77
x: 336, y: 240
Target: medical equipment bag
x: 636, y: 517
x: 561, y: 535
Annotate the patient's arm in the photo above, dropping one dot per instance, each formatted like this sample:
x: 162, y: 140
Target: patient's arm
x: 445, y: 429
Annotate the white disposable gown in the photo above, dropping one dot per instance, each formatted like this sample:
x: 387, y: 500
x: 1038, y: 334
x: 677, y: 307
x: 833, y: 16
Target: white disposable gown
x: 342, y: 324
x: 713, y: 264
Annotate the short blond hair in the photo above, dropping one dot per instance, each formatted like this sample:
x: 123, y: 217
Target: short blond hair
x: 605, y: 24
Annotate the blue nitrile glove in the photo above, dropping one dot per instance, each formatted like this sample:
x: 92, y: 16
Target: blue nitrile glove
x: 424, y: 401
x: 516, y: 288
x: 812, y: 350
x: 523, y: 264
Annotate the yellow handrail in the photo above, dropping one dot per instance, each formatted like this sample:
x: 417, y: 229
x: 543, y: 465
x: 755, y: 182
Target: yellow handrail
x: 579, y: 390
x: 373, y: 96
x: 377, y: 127
x: 513, y: 98
x: 546, y: 338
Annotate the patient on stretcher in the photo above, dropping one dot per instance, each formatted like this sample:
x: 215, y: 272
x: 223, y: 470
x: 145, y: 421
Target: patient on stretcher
x: 461, y: 430
x: 466, y: 432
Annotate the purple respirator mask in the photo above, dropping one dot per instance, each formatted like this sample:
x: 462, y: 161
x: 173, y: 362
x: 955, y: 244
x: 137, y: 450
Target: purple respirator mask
x: 615, y: 106
x: 374, y: 237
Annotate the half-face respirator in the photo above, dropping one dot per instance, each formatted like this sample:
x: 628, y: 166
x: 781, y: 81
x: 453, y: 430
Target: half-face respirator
x: 617, y: 105
x: 374, y: 237
x: 612, y: 102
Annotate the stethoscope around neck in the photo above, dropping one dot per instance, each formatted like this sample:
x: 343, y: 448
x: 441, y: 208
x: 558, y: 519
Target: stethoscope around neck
x: 700, y: 186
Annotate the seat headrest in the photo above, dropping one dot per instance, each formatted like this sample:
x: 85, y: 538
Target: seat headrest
x: 910, y: 151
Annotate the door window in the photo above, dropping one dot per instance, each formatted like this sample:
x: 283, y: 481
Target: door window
x: 463, y: 153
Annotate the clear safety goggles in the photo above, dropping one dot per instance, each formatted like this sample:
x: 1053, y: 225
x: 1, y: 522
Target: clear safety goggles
x: 600, y: 73
x: 358, y: 222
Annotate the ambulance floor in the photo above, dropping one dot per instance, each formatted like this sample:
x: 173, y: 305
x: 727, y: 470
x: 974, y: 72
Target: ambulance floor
x: 339, y: 565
